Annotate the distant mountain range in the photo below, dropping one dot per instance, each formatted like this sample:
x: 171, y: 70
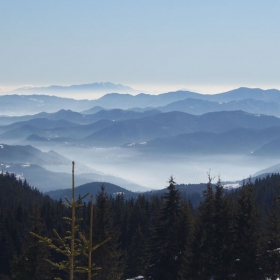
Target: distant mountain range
x: 262, y: 142
x: 29, y: 163
x: 191, y: 192
x: 240, y: 122
x: 199, y: 107
x: 91, y: 88
x: 28, y: 154
x: 256, y: 101
x: 92, y: 188
x: 153, y: 131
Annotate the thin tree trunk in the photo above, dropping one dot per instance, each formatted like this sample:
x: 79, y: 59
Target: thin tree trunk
x: 72, y: 250
x: 90, y: 238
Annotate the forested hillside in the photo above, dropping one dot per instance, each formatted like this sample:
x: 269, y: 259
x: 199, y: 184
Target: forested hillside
x: 230, y: 235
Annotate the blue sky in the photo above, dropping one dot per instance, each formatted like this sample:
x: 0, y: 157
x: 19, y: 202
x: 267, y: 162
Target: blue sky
x: 206, y: 46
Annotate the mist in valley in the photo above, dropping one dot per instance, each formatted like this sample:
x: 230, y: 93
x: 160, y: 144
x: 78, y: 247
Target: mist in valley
x: 140, y: 149
x: 153, y: 171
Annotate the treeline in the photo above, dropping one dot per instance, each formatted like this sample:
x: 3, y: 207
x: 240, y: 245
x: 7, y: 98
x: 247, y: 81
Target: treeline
x: 230, y: 235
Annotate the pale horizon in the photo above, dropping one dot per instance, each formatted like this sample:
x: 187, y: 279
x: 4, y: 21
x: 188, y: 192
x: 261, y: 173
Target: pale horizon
x: 152, y: 46
x: 147, y: 89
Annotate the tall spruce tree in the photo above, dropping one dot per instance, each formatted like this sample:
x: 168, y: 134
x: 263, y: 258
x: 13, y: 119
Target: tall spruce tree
x: 187, y: 234
x: 211, y: 248
x: 167, y: 243
x: 31, y: 264
x: 136, y: 259
x: 222, y: 235
x: 73, y: 245
x: 109, y: 256
x: 202, y: 246
x: 270, y: 254
x: 138, y: 232
x: 247, y: 245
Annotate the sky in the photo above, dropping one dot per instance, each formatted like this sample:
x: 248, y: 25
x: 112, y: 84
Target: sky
x: 151, y: 45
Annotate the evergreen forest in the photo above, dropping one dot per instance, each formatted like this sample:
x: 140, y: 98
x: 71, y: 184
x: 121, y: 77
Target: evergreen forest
x: 231, y: 234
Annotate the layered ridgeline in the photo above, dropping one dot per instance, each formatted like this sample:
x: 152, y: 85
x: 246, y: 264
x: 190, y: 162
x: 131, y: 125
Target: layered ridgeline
x: 161, y: 236
x: 255, y: 101
x: 174, y: 132
x: 50, y: 170
x: 166, y: 133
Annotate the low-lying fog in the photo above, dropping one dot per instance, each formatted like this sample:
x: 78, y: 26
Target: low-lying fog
x: 154, y: 171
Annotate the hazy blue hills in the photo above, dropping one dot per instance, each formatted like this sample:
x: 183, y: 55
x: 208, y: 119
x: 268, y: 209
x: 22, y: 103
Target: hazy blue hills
x: 271, y: 149
x: 119, y: 114
x: 31, y: 104
x: 143, y: 129
x: 199, y: 107
x: 92, y: 188
x: 247, y: 93
x: 74, y: 117
x: 174, y: 123
x: 127, y: 101
x: 41, y: 123
x: 189, y: 191
x: 46, y: 180
x: 102, y: 87
x: 92, y: 110
x: 274, y: 169
x: 16, y: 105
x: 137, y: 129
x: 236, y: 141
x: 142, y: 100
x: 134, y: 136
x: 19, y: 134
x: 29, y: 154
x: 227, y: 120
x: 51, y: 141
x: 19, y: 131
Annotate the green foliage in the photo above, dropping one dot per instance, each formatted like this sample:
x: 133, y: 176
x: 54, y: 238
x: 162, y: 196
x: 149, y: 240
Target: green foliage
x: 31, y: 264
x: 74, y: 244
x: 167, y: 244
x: 109, y: 253
x: 231, y: 235
x: 247, y: 246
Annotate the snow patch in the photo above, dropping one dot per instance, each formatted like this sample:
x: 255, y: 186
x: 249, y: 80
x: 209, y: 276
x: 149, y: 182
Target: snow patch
x: 130, y: 145
x: 133, y: 144
x: 40, y: 102
x: 2, y: 146
x: 232, y: 186
x: 119, y: 193
x: 18, y: 176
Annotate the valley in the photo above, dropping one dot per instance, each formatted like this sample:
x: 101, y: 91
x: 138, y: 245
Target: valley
x: 138, y: 141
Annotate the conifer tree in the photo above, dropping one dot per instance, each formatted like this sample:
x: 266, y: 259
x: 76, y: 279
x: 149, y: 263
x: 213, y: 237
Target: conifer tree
x: 137, y: 255
x: 247, y: 246
x: 222, y: 235
x: 187, y: 234
x: 109, y: 256
x: 167, y: 244
x: 201, y: 255
x: 211, y: 250
x: 270, y: 254
x: 74, y: 244
x: 31, y: 264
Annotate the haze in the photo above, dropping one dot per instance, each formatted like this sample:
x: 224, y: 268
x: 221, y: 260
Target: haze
x: 152, y: 46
